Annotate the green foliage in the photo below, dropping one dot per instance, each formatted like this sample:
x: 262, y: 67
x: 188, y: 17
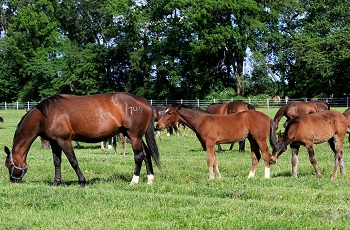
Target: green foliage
x: 163, y: 49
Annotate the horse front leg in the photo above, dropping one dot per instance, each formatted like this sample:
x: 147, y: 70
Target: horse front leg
x: 295, y: 154
x: 57, y: 159
x: 66, y: 146
x: 313, y: 161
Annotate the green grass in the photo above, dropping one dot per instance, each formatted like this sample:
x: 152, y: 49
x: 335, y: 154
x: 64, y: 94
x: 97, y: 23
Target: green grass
x: 181, y: 198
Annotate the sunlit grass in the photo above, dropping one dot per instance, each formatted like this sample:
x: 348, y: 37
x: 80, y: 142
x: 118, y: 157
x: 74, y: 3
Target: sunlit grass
x: 181, y: 198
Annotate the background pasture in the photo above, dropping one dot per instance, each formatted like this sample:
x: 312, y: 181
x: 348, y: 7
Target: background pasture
x: 181, y: 197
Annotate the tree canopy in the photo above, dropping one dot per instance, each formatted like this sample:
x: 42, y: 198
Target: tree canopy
x: 174, y: 48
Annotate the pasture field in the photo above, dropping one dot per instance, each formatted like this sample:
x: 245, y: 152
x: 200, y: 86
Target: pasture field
x: 182, y: 196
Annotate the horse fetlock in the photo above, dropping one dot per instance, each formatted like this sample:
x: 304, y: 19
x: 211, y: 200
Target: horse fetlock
x: 56, y: 183
x: 251, y: 174
x: 135, y: 180
x: 267, y: 172
x: 150, y: 179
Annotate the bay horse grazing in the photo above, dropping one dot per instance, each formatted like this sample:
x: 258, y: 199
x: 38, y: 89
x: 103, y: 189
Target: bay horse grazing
x: 63, y: 118
x: 214, y: 129
x: 230, y: 108
x: 313, y: 129
x: 296, y: 108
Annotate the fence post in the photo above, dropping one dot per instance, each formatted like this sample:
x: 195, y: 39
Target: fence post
x: 166, y: 102
x: 5, y: 105
x: 268, y: 106
x: 28, y: 107
x: 151, y: 102
x: 198, y: 102
x: 249, y: 101
x: 17, y: 105
x: 347, y: 101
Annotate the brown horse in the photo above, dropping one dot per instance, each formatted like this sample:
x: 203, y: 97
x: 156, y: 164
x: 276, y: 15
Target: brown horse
x: 93, y: 118
x: 296, y: 108
x: 214, y: 129
x: 310, y: 129
x: 230, y: 108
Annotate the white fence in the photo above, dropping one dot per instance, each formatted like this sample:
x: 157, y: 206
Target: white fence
x: 260, y: 103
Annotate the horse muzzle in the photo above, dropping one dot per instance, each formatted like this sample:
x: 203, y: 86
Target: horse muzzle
x: 273, y: 160
x: 159, y: 128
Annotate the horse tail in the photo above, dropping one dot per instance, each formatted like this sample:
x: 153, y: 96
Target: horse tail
x: 151, y: 141
x: 272, y: 137
x: 279, y: 115
x: 1, y: 120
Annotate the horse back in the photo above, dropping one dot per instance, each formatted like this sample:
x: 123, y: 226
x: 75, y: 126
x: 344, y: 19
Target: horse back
x: 317, y: 127
x: 95, y: 117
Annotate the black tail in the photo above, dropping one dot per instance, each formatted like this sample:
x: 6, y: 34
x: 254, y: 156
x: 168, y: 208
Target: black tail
x: 273, y: 138
x: 1, y: 120
x: 151, y: 142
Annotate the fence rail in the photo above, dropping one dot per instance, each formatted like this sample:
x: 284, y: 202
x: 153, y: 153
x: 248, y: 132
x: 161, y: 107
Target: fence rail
x: 259, y: 103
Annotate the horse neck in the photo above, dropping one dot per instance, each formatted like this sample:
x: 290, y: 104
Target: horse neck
x: 25, y: 135
x: 190, y: 118
x: 279, y: 115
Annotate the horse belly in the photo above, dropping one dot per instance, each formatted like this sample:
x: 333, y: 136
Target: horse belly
x: 229, y: 135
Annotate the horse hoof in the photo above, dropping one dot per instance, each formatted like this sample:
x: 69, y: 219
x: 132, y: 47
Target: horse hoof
x: 56, y: 183
x: 82, y: 185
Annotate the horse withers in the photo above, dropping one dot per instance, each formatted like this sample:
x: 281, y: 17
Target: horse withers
x: 313, y: 129
x: 212, y: 129
x: 63, y: 118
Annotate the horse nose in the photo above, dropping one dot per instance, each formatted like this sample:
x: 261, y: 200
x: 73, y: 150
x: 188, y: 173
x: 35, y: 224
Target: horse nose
x: 272, y: 160
x: 158, y: 127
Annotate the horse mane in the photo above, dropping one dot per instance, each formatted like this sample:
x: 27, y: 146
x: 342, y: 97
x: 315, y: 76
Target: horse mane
x: 45, y: 105
x: 193, y: 108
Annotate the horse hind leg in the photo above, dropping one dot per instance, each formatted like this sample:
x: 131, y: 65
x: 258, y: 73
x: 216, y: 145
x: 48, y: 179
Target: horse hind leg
x: 336, y: 146
x: 212, y: 162
x: 255, y: 156
x: 313, y: 161
x: 295, y: 160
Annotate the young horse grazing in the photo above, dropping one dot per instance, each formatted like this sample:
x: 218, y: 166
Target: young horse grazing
x: 296, y: 108
x: 214, y: 129
x: 312, y: 129
x: 63, y: 118
x: 230, y: 108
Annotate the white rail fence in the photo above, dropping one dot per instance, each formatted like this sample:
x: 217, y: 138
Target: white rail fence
x: 260, y: 103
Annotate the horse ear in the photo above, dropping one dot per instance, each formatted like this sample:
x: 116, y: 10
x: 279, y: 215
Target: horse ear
x: 7, y: 151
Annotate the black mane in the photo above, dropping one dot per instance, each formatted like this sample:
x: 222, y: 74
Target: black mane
x: 44, y: 105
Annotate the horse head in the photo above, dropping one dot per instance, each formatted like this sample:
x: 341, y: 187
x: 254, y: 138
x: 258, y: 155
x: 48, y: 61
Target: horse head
x: 16, y: 172
x: 279, y: 148
x: 169, y: 117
